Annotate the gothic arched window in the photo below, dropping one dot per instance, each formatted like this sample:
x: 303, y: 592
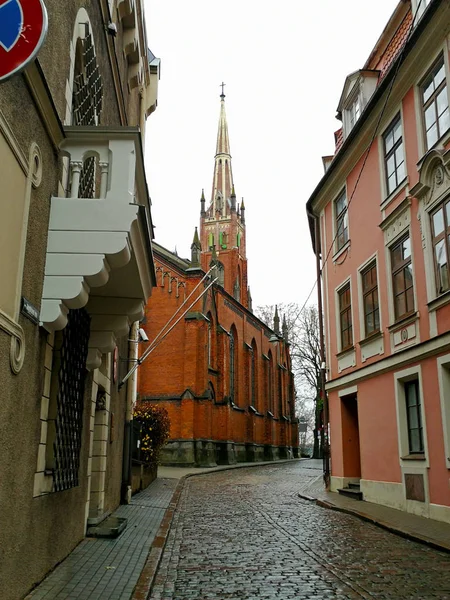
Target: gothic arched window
x: 87, y: 100
x: 253, y: 375
x: 233, y: 370
x: 270, y: 383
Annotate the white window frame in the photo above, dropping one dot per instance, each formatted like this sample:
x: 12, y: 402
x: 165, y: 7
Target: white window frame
x: 337, y: 291
x: 339, y: 251
x: 355, y: 97
x: 400, y: 378
x: 362, y: 322
x: 419, y: 6
x: 421, y: 133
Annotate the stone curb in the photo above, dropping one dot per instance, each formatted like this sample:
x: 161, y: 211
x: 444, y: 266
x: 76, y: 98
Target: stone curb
x: 383, y: 524
x: 147, y: 577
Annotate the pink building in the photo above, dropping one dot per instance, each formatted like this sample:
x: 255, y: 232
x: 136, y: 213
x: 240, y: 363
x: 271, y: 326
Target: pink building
x: 383, y: 212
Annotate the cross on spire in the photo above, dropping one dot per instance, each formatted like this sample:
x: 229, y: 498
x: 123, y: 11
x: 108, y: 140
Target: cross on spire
x: 222, y: 85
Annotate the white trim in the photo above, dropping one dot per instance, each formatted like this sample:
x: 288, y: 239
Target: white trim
x: 414, y: 353
x: 421, y: 135
x: 338, y: 252
x: 348, y: 391
x: 443, y: 367
x: 360, y: 269
x: 343, y: 284
x: 400, y: 378
x: 387, y: 196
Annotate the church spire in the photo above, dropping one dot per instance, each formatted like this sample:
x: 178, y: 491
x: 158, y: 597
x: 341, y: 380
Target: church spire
x: 223, y: 175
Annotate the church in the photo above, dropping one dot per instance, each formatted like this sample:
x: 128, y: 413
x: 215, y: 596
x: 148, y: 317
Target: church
x: 222, y: 374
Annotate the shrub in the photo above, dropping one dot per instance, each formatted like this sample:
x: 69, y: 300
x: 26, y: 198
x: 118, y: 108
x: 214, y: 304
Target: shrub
x: 155, y: 427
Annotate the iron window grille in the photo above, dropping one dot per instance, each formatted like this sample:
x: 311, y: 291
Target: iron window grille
x: 87, y: 103
x: 70, y: 400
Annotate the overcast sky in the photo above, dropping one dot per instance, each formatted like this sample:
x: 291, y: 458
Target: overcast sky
x: 284, y: 64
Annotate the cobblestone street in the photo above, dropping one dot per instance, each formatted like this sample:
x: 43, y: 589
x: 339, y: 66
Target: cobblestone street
x: 245, y: 533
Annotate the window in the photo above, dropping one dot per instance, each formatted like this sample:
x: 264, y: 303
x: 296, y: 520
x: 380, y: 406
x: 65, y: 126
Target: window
x: 370, y: 299
x: 435, y: 104
x: 340, y: 207
x: 270, y: 383
x: 394, y: 158
x: 402, y: 278
x: 441, y: 242
x: 419, y: 7
x: 345, y: 317
x: 253, y: 377
x: 415, y: 429
x: 232, y: 366
x: 354, y: 112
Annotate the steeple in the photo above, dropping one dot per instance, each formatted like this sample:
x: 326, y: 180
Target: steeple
x: 222, y: 226
x: 223, y: 176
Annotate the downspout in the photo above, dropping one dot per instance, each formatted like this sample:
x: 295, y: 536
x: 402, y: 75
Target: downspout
x: 130, y: 402
x: 326, y: 448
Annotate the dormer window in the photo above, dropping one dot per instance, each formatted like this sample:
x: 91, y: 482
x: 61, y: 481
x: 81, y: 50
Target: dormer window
x: 358, y: 89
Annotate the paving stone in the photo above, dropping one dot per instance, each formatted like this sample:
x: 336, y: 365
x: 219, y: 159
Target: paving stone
x: 245, y: 534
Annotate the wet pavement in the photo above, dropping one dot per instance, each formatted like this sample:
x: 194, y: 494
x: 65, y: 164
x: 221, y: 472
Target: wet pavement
x: 245, y: 533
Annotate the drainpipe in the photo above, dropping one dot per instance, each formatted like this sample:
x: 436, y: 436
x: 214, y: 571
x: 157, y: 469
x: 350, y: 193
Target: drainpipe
x: 131, y: 400
x: 326, y: 449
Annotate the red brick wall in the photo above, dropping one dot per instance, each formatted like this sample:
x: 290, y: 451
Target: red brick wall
x: 180, y: 363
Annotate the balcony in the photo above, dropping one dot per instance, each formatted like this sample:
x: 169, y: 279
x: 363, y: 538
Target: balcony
x: 99, y: 253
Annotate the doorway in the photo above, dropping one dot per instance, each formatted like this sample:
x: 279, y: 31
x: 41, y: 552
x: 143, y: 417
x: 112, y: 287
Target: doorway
x: 351, y: 457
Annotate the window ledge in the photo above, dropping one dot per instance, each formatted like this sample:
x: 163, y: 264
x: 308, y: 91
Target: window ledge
x: 341, y: 251
x: 370, y: 338
x: 345, y: 352
x: 213, y: 371
x: 252, y: 409
x: 404, y: 320
x: 420, y: 457
x: 439, y: 301
x: 238, y: 408
x: 393, y: 195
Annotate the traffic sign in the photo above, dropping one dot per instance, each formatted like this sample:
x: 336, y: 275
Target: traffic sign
x: 23, y: 27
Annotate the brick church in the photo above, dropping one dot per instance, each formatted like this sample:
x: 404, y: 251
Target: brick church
x: 224, y: 376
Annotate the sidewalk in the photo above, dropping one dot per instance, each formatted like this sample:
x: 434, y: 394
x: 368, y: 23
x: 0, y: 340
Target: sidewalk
x: 122, y: 568
x: 109, y: 569
x: 420, y: 529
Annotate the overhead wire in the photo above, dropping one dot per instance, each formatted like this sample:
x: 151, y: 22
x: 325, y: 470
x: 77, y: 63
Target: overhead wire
x: 375, y: 133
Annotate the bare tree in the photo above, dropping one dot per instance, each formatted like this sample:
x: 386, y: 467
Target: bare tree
x: 303, y: 335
